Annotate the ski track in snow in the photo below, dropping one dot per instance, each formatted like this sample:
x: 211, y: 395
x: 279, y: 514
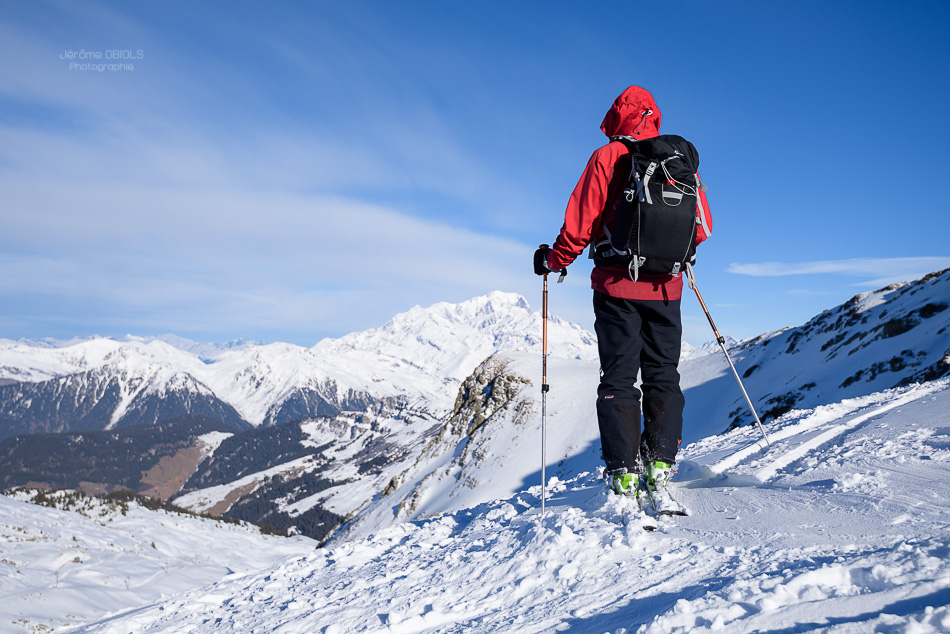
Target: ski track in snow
x: 781, y: 455
x: 841, y: 527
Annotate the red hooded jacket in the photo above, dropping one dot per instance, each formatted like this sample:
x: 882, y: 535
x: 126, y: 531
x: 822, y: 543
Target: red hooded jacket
x: 634, y: 113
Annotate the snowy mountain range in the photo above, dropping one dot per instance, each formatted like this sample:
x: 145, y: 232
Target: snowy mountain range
x: 421, y: 355
x: 424, y: 497
x: 331, y: 417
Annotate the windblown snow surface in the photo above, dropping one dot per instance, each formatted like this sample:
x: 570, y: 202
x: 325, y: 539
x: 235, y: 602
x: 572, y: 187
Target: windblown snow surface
x: 840, y: 526
x: 87, y: 557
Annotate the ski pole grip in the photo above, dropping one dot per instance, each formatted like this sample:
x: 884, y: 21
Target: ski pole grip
x: 539, y: 266
x: 563, y: 273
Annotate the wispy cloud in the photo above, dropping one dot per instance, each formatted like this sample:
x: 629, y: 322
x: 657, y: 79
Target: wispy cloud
x: 197, y: 195
x: 218, y: 258
x: 882, y: 271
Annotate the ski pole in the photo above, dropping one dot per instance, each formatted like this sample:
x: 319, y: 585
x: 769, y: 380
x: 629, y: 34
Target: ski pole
x: 722, y: 344
x: 544, y: 386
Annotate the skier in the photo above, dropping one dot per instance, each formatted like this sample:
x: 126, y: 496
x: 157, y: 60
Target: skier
x: 637, y: 320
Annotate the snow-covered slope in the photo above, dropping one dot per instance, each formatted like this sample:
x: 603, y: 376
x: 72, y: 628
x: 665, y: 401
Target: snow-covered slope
x: 841, y: 526
x: 491, y: 447
x: 463, y: 468
x: 84, y: 557
x: 878, y: 340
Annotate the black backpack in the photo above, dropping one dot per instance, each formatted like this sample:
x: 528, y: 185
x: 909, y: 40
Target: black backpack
x: 654, y: 227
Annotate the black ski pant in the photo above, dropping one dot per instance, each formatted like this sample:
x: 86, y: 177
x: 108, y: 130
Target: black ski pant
x: 638, y: 336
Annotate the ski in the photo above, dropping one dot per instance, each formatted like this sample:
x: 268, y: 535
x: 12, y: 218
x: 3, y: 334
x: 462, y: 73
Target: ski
x: 660, y: 502
x: 635, y: 514
x: 626, y: 511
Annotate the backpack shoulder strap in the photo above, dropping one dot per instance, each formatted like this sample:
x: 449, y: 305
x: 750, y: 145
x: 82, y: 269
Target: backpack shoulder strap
x: 628, y: 141
x: 641, y: 181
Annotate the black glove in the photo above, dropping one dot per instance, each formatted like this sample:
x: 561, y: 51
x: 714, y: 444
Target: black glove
x: 541, y: 263
x: 541, y: 260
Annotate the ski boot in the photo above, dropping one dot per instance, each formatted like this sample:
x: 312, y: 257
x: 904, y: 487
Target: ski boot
x: 623, y: 483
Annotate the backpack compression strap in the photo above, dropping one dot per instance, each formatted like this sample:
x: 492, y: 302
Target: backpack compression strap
x: 700, y: 210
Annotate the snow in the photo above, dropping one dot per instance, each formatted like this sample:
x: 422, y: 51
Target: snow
x: 61, y: 567
x: 849, y: 534
x: 405, y: 434
x: 687, y: 350
x: 34, y: 361
x: 841, y: 525
x: 871, y: 343
x: 211, y: 441
x: 203, y: 500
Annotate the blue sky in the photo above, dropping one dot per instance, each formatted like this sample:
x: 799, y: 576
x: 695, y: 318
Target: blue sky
x: 289, y: 171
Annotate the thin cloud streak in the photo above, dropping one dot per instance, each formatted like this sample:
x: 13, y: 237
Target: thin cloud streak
x: 882, y: 269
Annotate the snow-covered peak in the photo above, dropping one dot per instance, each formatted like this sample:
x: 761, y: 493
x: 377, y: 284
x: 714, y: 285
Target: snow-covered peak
x: 686, y: 351
x: 454, y: 338
x: 484, y: 306
x: 39, y: 361
x: 435, y: 348
x: 495, y: 311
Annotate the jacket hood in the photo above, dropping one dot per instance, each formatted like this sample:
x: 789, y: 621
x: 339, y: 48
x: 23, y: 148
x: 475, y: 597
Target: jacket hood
x: 634, y: 113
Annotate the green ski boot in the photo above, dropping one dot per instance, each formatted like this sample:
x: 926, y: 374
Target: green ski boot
x: 623, y: 483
